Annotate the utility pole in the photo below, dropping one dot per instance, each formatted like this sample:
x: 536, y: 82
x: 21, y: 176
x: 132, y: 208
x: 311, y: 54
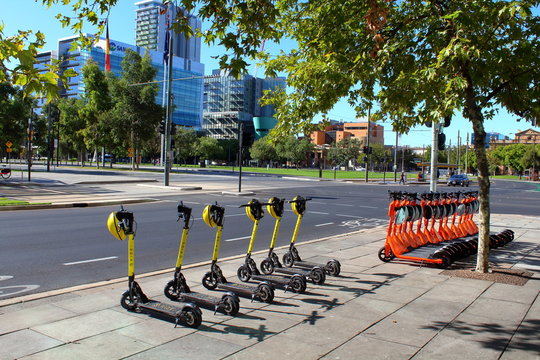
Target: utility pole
x: 30, y: 134
x: 168, y: 120
x: 49, y: 152
x: 434, y: 160
x: 240, y: 138
x: 458, y: 152
x: 467, y: 154
x: 395, y: 157
x: 367, y: 143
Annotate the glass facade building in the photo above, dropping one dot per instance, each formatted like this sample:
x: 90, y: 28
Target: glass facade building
x: 228, y: 101
x: 188, y: 94
x: 152, y: 17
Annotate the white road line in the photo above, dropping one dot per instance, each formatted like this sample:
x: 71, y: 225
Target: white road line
x: 91, y: 260
x: 367, y: 207
x: 192, y: 202
x: 318, y: 212
x: 344, y: 205
x: 240, y: 238
x: 316, y: 202
x: 330, y: 223
x: 353, y: 216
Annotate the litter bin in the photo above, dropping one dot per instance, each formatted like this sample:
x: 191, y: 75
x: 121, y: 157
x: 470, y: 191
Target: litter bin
x: 202, y: 164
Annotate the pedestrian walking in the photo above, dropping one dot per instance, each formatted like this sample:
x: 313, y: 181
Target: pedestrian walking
x: 402, y: 178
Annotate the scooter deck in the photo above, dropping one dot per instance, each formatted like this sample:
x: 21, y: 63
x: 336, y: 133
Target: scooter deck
x: 280, y: 280
x: 240, y: 289
x: 293, y: 271
x: 308, y: 264
x: 200, y: 299
x: 161, y: 309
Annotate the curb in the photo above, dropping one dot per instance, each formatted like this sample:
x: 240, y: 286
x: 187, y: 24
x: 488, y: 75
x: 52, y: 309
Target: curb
x: 75, y: 204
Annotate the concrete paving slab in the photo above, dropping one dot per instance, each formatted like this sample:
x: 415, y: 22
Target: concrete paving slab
x: 87, y: 303
x: 155, y: 332
x: 246, y: 330
x: 279, y: 347
x: 436, y: 310
x: 521, y: 294
x: 87, y: 325
x: 498, y: 310
x: 24, y: 342
x: 396, y: 293
x: 420, y: 280
x: 458, y: 291
x: 404, y: 328
x: 458, y: 348
x: 191, y: 347
x: 364, y: 309
x: 25, y: 318
x: 360, y: 346
x: 104, y: 346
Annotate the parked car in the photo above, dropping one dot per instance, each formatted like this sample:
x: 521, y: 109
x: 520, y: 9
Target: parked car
x: 458, y: 180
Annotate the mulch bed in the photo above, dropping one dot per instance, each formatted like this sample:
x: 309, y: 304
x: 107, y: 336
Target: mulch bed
x: 504, y: 276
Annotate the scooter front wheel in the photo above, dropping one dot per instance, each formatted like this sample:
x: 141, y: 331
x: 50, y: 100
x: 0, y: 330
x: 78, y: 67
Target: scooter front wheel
x: 230, y: 306
x: 243, y: 273
x: 192, y: 317
x: 288, y: 259
x: 128, y: 303
x: 383, y: 257
x: 171, y: 292
x: 317, y: 276
x: 266, y: 293
x: 210, y: 281
x: 267, y: 266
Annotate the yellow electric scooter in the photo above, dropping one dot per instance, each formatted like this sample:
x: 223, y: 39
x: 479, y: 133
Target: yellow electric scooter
x: 213, y: 216
x: 121, y: 225
x: 291, y: 257
x: 248, y: 270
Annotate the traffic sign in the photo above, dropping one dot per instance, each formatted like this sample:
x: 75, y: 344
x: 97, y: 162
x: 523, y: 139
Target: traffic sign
x: 9, y: 149
x: 9, y: 143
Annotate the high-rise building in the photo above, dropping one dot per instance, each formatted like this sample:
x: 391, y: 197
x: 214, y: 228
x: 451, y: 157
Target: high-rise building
x: 152, y: 21
x: 188, y: 94
x: 229, y: 101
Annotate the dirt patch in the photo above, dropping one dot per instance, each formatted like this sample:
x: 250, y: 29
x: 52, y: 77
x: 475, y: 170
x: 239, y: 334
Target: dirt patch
x: 504, y: 276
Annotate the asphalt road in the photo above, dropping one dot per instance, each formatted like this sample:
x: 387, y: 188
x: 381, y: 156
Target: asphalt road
x: 51, y: 249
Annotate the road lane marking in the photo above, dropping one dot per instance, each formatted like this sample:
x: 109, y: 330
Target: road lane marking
x: 367, y: 207
x: 353, y: 216
x: 192, y: 202
x: 5, y: 277
x: 330, y: 223
x: 90, y: 260
x: 344, y: 205
x: 240, y: 238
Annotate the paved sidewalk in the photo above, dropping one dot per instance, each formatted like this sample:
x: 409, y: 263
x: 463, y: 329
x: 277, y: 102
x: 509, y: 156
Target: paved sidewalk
x: 373, y: 310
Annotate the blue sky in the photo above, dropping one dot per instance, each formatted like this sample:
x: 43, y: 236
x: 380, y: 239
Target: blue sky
x: 29, y: 15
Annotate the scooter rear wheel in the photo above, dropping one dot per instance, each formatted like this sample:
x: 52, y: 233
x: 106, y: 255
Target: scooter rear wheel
x: 192, y: 318
x: 127, y: 303
x: 317, y: 276
x: 298, y: 284
x: 267, y: 266
x: 170, y: 292
x: 266, y: 293
x: 383, y: 257
x: 231, y: 306
x: 333, y: 267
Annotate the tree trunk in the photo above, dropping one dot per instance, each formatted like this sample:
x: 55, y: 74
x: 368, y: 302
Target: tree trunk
x: 473, y: 112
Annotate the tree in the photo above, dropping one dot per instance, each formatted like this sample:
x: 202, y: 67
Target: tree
x: 14, y: 113
x: 418, y: 61
x: 293, y: 149
x: 530, y: 158
x: 72, y: 125
x: 186, y: 143
x: 263, y: 150
x: 136, y: 114
x: 208, y: 148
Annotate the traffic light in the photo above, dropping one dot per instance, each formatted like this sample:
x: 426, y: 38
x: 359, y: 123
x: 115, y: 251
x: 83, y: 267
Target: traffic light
x: 447, y: 120
x: 172, y: 143
x: 35, y: 135
x: 173, y: 129
x: 370, y: 149
x: 246, y: 139
x: 162, y: 127
x: 441, y: 140
x: 365, y: 149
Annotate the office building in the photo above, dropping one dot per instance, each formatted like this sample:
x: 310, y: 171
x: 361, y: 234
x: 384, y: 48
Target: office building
x: 336, y: 132
x: 229, y: 101
x: 152, y: 19
x: 187, y: 94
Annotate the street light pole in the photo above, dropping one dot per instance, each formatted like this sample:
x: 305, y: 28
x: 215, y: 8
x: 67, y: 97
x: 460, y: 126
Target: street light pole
x: 395, y: 157
x: 168, y: 120
x: 367, y: 143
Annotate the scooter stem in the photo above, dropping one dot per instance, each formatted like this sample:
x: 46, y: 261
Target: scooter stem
x: 253, y: 236
x: 131, y: 255
x: 275, y: 233
x: 217, y: 243
x: 182, y: 248
x: 296, y: 227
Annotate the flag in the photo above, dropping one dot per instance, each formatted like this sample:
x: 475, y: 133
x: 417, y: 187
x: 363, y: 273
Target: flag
x: 107, y: 50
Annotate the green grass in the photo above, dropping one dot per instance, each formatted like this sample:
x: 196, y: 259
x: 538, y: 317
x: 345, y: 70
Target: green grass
x: 9, y: 202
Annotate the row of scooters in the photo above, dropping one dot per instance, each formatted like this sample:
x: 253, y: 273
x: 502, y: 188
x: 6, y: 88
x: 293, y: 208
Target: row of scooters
x: 292, y: 275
